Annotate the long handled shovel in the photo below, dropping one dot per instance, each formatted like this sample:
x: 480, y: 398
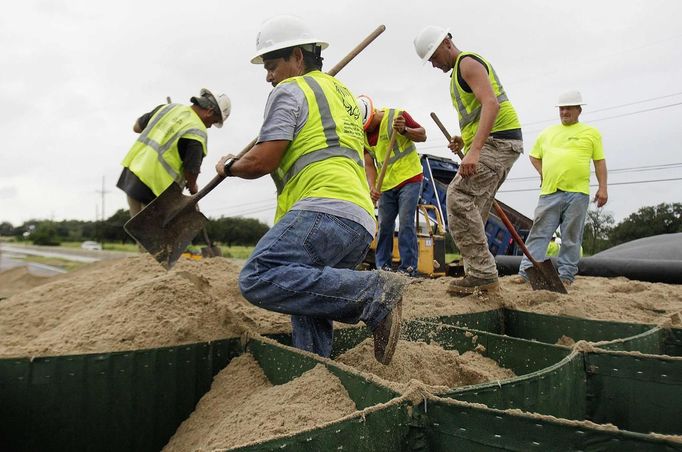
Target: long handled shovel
x: 542, y: 275
x: 382, y: 173
x: 169, y: 223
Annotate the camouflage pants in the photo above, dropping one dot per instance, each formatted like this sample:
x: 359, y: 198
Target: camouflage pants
x: 469, y: 201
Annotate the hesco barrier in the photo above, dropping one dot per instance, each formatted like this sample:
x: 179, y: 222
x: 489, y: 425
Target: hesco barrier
x: 608, y: 335
x: 136, y: 400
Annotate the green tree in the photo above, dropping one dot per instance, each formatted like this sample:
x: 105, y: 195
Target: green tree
x: 648, y: 221
x: 6, y: 229
x: 236, y: 231
x: 45, y: 233
x: 598, y: 225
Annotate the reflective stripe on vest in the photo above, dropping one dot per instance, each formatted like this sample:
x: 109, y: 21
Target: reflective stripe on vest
x: 162, y: 148
x: 332, y: 150
x: 465, y: 117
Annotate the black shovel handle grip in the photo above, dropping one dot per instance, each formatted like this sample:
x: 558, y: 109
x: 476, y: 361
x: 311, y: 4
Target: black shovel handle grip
x: 333, y: 71
x: 498, y: 209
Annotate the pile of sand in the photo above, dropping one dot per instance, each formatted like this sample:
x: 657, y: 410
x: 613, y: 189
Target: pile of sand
x: 133, y: 303
x: 243, y: 407
x: 129, y: 304
x: 617, y: 299
x: 19, y: 279
x: 429, y: 363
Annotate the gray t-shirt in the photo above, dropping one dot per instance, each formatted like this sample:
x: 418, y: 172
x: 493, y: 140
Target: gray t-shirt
x: 286, y: 112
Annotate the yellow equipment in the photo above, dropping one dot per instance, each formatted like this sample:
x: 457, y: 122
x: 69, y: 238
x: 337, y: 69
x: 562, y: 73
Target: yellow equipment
x: 430, y: 240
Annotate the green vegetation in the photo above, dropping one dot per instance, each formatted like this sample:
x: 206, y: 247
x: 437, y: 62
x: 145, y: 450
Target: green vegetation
x: 64, y: 264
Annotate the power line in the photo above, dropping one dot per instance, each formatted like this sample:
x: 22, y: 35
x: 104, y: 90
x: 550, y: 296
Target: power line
x: 596, y: 185
x: 611, y: 108
x: 633, y: 169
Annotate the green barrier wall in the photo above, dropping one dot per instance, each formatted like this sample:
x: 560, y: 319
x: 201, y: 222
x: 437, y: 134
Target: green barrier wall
x: 453, y: 426
x: 638, y: 393
x: 134, y: 401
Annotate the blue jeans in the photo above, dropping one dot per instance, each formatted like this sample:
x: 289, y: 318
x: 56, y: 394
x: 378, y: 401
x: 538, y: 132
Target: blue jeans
x: 568, y: 211
x: 303, y: 266
x: 400, y: 202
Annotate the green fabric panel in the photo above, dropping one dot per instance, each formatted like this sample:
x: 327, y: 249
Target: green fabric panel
x: 468, y: 428
x: 382, y: 430
x: 558, y: 391
x: 651, y: 342
x: 549, y: 328
x: 672, y: 345
x: 281, y: 366
x: 638, y: 393
x: 490, y: 321
x: 131, y: 401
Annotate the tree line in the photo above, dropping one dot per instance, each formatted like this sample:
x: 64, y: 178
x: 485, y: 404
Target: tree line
x: 224, y: 230
x: 601, y: 232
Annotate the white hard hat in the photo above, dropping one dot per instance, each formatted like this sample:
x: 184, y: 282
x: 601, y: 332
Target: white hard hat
x: 558, y: 240
x: 569, y: 99
x: 428, y: 40
x: 281, y: 32
x: 366, y: 107
x: 220, y: 103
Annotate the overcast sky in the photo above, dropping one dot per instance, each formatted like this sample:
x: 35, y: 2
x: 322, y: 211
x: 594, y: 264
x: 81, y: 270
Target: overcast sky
x: 76, y: 75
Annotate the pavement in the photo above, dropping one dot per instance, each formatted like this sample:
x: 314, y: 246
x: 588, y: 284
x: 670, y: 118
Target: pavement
x: 11, y: 255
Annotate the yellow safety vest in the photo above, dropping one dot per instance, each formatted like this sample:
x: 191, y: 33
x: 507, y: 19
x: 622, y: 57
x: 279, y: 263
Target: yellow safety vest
x: 325, y: 159
x: 404, y: 162
x: 469, y: 108
x: 154, y: 158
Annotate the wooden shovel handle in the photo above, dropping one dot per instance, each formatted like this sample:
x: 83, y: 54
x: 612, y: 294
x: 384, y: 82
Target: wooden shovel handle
x: 498, y: 209
x: 382, y: 173
x: 333, y: 71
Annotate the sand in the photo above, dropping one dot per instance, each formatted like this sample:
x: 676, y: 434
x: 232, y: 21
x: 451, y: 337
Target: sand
x: 243, y: 407
x: 428, y: 363
x: 130, y: 304
x: 18, y: 279
x: 133, y: 303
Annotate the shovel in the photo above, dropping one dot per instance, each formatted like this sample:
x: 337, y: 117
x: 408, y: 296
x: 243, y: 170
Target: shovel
x: 384, y: 167
x: 209, y: 250
x: 542, y: 275
x: 169, y: 223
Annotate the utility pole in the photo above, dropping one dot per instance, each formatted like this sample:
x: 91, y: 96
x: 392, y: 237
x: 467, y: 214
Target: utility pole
x: 102, y: 192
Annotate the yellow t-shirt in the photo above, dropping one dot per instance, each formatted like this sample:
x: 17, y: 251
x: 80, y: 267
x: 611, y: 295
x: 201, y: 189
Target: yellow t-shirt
x: 566, y: 152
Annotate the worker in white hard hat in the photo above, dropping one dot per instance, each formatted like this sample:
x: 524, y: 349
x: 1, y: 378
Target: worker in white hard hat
x: 561, y: 156
x: 491, y: 142
x: 311, y: 143
x: 170, y: 148
x: 399, y: 192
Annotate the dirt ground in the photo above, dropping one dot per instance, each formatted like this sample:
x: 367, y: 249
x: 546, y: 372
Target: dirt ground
x: 134, y: 303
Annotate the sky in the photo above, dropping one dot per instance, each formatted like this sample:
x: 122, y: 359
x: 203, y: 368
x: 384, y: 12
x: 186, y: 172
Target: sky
x: 76, y: 75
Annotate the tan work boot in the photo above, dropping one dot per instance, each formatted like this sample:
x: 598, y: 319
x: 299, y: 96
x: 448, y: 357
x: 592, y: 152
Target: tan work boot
x: 470, y: 285
x: 518, y: 279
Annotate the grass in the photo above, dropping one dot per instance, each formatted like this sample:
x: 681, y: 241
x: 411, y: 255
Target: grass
x: 54, y: 262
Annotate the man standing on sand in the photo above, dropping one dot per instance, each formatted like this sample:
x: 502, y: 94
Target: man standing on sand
x: 562, y: 155
x: 399, y: 193
x: 491, y: 142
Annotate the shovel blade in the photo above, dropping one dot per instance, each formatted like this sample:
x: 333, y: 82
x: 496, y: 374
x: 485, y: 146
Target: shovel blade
x: 167, y: 225
x: 545, y: 277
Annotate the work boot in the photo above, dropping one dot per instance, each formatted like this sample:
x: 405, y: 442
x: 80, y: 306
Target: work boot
x: 471, y: 284
x: 567, y: 282
x: 386, y: 334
